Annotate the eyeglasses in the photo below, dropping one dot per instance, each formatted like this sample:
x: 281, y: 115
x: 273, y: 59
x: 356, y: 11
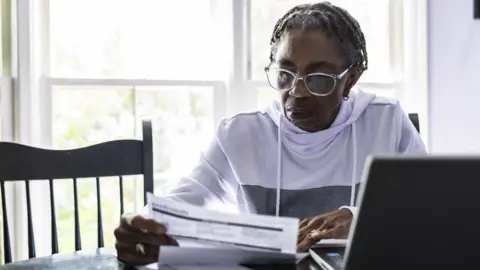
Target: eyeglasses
x: 317, y: 84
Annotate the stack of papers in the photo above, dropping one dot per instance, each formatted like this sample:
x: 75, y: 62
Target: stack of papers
x: 215, y: 238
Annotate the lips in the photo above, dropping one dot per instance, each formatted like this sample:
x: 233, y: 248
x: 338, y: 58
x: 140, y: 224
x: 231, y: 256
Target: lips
x: 299, y: 108
x: 298, y: 114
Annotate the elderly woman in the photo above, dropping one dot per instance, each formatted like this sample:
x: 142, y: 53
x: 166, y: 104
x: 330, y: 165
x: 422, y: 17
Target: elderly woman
x: 303, y: 156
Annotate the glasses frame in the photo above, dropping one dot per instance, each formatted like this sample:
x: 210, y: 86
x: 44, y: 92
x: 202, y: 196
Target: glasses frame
x: 335, y: 77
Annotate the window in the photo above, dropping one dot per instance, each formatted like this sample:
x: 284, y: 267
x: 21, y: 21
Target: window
x: 382, y: 75
x: 86, y: 115
x: 6, y: 110
x: 264, y: 15
x: 183, y: 64
x: 108, y: 73
x: 135, y: 39
x: 182, y: 121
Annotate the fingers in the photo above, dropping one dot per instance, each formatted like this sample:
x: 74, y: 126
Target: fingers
x: 134, y: 230
x: 135, y: 260
x: 306, y: 243
x: 127, y: 235
x: 304, y: 222
x: 307, y: 227
x: 327, y: 225
x: 332, y: 225
x: 315, y: 236
x: 318, y: 235
x: 125, y: 248
x: 341, y: 229
x: 142, y: 224
x: 172, y: 241
x: 128, y: 254
x: 329, y: 230
x: 337, y: 231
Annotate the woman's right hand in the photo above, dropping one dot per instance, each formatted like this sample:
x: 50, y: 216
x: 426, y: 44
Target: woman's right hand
x: 138, y: 239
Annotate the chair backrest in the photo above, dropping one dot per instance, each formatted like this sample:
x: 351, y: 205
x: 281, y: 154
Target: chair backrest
x: 414, y: 118
x: 114, y: 158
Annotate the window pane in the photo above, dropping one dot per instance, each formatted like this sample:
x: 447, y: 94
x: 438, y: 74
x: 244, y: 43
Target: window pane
x: 373, y: 16
x: 85, y: 116
x: 89, y: 115
x: 166, y: 39
x: 182, y: 122
x: 265, y: 96
x: 6, y: 38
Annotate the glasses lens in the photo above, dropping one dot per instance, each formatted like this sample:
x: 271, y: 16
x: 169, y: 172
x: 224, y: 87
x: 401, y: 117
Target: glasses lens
x: 280, y: 79
x: 320, y: 84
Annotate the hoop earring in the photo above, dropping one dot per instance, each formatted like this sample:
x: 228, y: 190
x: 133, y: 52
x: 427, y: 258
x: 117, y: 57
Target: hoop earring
x: 345, y: 97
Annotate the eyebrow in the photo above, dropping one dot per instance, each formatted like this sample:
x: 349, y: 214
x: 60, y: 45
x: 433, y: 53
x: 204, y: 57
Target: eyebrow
x: 311, y: 66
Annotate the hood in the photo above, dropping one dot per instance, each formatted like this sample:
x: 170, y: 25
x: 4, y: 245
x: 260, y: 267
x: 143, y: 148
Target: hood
x: 311, y: 143
x: 350, y: 111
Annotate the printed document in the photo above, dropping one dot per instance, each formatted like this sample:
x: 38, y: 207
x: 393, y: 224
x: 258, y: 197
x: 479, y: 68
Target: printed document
x: 189, y: 258
x: 247, y: 231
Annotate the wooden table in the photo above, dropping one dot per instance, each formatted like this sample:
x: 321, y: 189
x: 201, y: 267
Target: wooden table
x: 105, y: 259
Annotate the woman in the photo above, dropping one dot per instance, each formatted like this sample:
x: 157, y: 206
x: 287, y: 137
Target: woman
x: 303, y: 156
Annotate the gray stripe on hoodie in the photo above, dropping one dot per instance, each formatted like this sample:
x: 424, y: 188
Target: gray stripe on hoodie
x: 294, y: 203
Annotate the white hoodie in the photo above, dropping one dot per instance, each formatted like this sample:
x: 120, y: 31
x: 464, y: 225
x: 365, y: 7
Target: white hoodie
x: 301, y: 174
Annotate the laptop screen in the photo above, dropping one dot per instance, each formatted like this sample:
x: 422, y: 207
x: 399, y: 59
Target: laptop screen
x: 408, y: 207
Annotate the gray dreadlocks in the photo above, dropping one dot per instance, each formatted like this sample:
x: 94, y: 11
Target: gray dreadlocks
x: 335, y: 21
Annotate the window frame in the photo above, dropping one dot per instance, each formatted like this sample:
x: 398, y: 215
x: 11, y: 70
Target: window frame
x: 30, y: 101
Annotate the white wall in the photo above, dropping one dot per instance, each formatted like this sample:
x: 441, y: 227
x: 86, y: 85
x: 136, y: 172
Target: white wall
x: 454, y: 77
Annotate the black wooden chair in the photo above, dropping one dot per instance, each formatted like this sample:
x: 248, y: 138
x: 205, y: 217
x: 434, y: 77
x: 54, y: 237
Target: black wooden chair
x: 115, y: 158
x: 414, y: 118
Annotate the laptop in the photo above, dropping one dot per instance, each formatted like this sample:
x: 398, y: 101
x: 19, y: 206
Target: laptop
x: 415, y: 213
x: 328, y: 258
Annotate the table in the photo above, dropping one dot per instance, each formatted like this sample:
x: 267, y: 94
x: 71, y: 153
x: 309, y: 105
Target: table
x: 104, y: 258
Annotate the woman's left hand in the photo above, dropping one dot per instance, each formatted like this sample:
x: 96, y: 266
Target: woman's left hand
x: 335, y: 225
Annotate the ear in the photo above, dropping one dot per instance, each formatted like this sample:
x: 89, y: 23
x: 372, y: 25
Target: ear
x: 352, y: 79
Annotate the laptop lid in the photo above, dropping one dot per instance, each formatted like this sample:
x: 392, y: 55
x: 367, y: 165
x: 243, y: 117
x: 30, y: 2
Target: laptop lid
x: 417, y: 212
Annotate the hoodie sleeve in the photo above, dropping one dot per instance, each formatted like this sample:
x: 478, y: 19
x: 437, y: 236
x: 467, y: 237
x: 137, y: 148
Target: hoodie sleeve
x: 206, y: 184
x: 409, y: 140
x: 210, y: 182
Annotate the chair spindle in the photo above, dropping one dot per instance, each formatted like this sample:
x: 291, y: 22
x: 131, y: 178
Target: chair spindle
x: 31, y: 237
x: 78, y: 240
x: 121, y: 195
x: 53, y: 218
x: 7, y: 252
x: 99, y: 216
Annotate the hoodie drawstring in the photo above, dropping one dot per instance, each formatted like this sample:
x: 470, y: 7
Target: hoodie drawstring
x: 354, y: 167
x: 279, y: 168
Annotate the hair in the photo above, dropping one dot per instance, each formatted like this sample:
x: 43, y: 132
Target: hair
x: 335, y: 21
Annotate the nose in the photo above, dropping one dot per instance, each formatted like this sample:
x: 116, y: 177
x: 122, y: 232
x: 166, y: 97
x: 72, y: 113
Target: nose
x: 299, y: 90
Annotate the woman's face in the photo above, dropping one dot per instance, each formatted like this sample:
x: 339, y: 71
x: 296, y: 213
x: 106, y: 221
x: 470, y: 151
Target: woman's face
x: 309, y: 51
